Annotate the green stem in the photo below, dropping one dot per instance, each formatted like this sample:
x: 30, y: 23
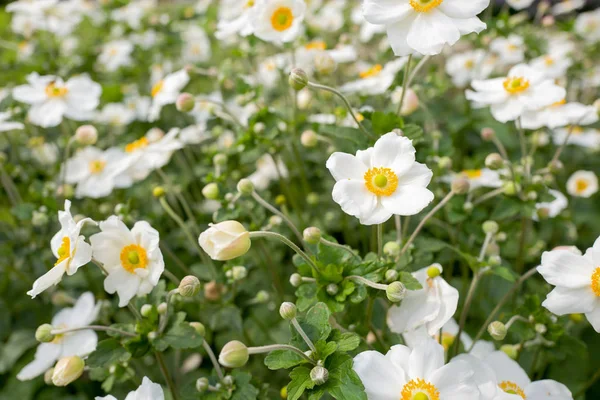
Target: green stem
x: 404, y: 84
x: 165, y: 372
x: 339, y: 246
x: 275, y: 211
x: 298, y: 328
x: 95, y: 328
x: 273, y: 347
x: 165, y: 318
x: 380, y: 240
x: 213, y: 359
x: 463, y: 315
x: 281, y: 238
x: 365, y: 281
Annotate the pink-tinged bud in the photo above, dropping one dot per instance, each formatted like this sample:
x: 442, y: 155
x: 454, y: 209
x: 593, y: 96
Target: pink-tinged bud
x: 185, y: 102
x: 86, y: 135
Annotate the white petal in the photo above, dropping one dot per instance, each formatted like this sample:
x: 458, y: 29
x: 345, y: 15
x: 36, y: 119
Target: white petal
x: 431, y: 31
x: 507, y: 111
x: 594, y: 317
x: 507, y: 369
x: 47, y: 114
x: 448, y: 304
x: 378, y: 216
x: 381, y: 378
x: 483, y: 376
x: 418, y: 174
x: 83, y: 255
x: 84, y: 312
x: 463, y: 8
x: 455, y: 381
x: 563, y: 268
x: 345, y: 166
x: 354, y: 198
x: 564, y: 300
x: 80, y: 343
x: 397, y: 34
x: 425, y: 359
x: 408, y: 200
x: 125, y: 284
x: 383, y: 12
x: 469, y: 25
x: 547, y: 389
x: 395, y: 152
x: 417, y: 308
x: 46, y: 355
x: 399, y: 355
x: 50, y: 278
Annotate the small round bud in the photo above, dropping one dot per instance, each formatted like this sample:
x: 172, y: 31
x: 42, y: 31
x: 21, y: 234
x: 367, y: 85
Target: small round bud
x: 275, y: 220
x: 220, y: 159
x: 189, y: 286
x: 548, y: 20
x: 511, y: 350
x: 283, y: 393
x: 146, y: 310
x: 211, y: 191
x: 395, y: 292
x: 202, y: 385
x: 391, y: 275
x: 577, y: 318
x: 312, y: 235
x: 48, y: 376
x: 541, y: 328
x: 494, y: 260
x: 238, y: 272
x: 245, y: 186
x: 391, y: 249
x: 488, y: 134
x: 199, y: 328
x: 494, y: 161
x: 468, y: 206
x: 492, y: 250
x: 501, y: 237
x: 155, y: 134
x: 460, y: 185
x: 67, y: 370
x: 162, y: 308
x: 490, y: 227
x: 312, y: 199
x: 158, y: 191
x: 556, y: 166
x: 296, y: 280
x: 532, y: 195
x: 228, y: 380
x: 434, y: 271
x: 444, y: 163
x: 280, y: 200
x: 43, y: 333
x: 287, y: 311
x: 234, y: 354
x: 262, y: 296
x: 298, y: 79
x: 185, y: 102
x: 497, y: 330
x: 319, y: 375
x: 309, y: 139
x: 332, y: 289
x: 152, y: 336
x: 510, y: 189
x: 212, y: 291
x: 540, y: 139
x: 86, y: 135
x: 324, y: 63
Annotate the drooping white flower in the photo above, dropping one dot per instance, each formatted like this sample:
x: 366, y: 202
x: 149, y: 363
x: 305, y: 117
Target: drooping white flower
x: 431, y: 307
x: 70, y: 249
x: 587, y: 25
x: 577, y: 135
x: 132, y: 258
x: 554, y: 207
x: 78, y: 343
x: 524, y: 89
x: 165, y: 91
x: 277, y: 21
x: 582, y: 184
x: 148, y: 390
x: 511, y: 50
x: 558, y: 115
x: 469, y: 66
x: 52, y: 99
x: 7, y: 125
x: 425, y: 26
x: 403, y: 373
x: 116, y: 54
x: 566, y: 6
x: 381, y: 181
x: 477, y: 178
x: 519, y: 4
x: 375, y: 79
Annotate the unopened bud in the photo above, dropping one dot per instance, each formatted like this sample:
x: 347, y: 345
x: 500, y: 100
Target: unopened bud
x: 287, y: 311
x: 577, y: 318
x: 312, y: 235
x: 395, y: 292
x: 511, y: 350
x: 391, y: 275
x: 312, y: 198
x: 238, y: 272
x: 212, y: 291
x: 162, y: 308
x: 202, y: 385
x: 444, y: 163
x: 189, y: 286
x: 280, y: 200
x: 234, y: 354
x: 296, y: 280
x: 548, y: 20
x: 43, y: 333
x: 262, y: 296
x: 460, y: 185
x: 494, y: 161
x: 199, y: 328
x: 319, y: 375
x: 298, y: 79
x: 158, y: 191
x: 468, y: 206
x: 185, y: 102
x: 541, y: 328
x: 86, y: 135
x: 146, y: 310
x: 67, y: 370
x: 211, y: 191
x: 48, y: 376
x: 556, y: 166
x: 309, y: 139
x: 490, y: 227
x: 332, y: 289
x: 391, y: 249
x: 245, y: 186
x: 488, y: 134
x: 510, y: 189
x: 497, y: 330
x: 220, y: 159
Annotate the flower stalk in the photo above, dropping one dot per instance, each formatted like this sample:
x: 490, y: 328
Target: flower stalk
x: 281, y: 238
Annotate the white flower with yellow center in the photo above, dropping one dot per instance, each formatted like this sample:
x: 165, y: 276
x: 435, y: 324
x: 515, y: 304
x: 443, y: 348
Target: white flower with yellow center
x: 552, y: 65
x: 132, y: 258
x: 381, y: 181
x: 69, y: 248
x: 267, y: 171
x: 148, y: 390
x: 519, y: 4
x: 578, y: 136
x: 582, y: 184
x: 235, y: 17
x: 566, y: 6
x: 417, y: 374
x: 560, y: 114
x: 116, y: 115
x: 165, y: 91
x: 514, y: 382
x: 367, y: 29
x: 478, y: 178
x: 197, y: 46
x: 469, y: 66
x: 278, y: 21
x: 577, y: 282
x: 524, y: 89
x: 425, y: 26
x: 95, y: 171
x: 430, y: 307
x: 116, y: 54
x: 78, y: 343
x: 52, y: 99
x: 375, y: 79
x: 587, y: 25
x: 511, y: 50
x: 552, y: 208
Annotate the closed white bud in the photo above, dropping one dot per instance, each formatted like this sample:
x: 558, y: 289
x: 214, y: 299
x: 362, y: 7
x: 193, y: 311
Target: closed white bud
x: 146, y: 310
x: 225, y: 241
x: 332, y: 289
x: 312, y: 235
x: 296, y: 280
x: 319, y: 375
x: 395, y: 292
x: 262, y: 296
x: 67, y: 370
x: 43, y: 333
x: 460, y: 185
x: 162, y: 308
x: 490, y: 227
x: 185, y: 102
x: 309, y: 139
x: 234, y: 354
x: 245, y: 186
x: 298, y: 79
x: 391, y: 275
x: 391, y: 249
x: 86, y: 135
x: 189, y: 286
x: 238, y: 272
x: 202, y: 385
x: 287, y: 311
x: 497, y: 330
x: 494, y: 161
x: 211, y: 191
x: 199, y: 328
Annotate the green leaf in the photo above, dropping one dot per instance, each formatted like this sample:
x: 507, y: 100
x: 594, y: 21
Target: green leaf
x: 315, y: 323
x: 300, y: 382
x: 346, y: 341
x: 344, y: 383
x: 413, y: 132
x: 325, y: 349
x: 505, y: 273
x: 244, y: 390
x: 409, y: 281
x: 282, y: 359
x: 107, y: 353
x: 180, y: 336
x: 384, y: 123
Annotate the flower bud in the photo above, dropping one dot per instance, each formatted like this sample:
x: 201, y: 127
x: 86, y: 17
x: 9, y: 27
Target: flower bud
x: 434, y: 271
x: 488, y: 134
x: 411, y: 103
x: 262, y: 296
x: 312, y: 198
x: 155, y: 134
x: 238, y: 272
x: 497, y: 330
x: 86, y: 135
x: 234, y: 354
x: 48, y: 376
x: 494, y: 260
x: 540, y: 139
x: 228, y: 380
x: 295, y: 280
x: 189, y: 286
x: 556, y: 166
x: 548, y: 20
x: 468, y: 206
x: 541, y: 328
x: 494, y: 161
x: 245, y: 186
x: 460, y: 185
x: 309, y: 139
x: 185, y: 102
x: 510, y: 189
x: 225, y: 241
x: 391, y: 275
x: 319, y: 375
x: 444, y: 163
x: 287, y: 311
x: 391, y: 249
x: 162, y: 308
x: 577, y: 318
x: 43, y: 333
x: 298, y: 79
x: 283, y: 393
x: 211, y: 191
x: 395, y: 291
x: 332, y: 289
x: 324, y: 63
x: 158, y: 191
x: 490, y: 227
x: 280, y: 200
x: 199, y: 328
x: 511, y: 350
x: 220, y: 159
x: 202, y: 385
x: 67, y: 370
x: 146, y: 310
x: 152, y: 336
x: 212, y: 291
x: 312, y: 235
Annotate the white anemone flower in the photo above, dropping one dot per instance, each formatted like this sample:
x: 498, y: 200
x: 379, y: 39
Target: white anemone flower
x: 367, y: 29
x: 235, y: 18
x: 469, y: 66
x: 165, y: 91
x: 566, y: 6
x: 552, y: 208
x: 425, y: 26
x: 52, y: 99
x: 477, y: 178
x: 553, y: 65
x: 267, y: 171
x: 277, y: 21
x: 519, y: 4
x: 582, y: 184
x: 69, y: 248
x: 560, y: 114
x: 415, y: 374
x: 116, y: 114
x: 197, y: 45
x: 381, y: 181
x: 431, y: 307
x: 6, y: 124
x: 511, y: 50
x: 577, y: 282
x: 148, y: 390
x: 132, y: 258
x: 587, y: 25
x: 78, y: 343
x: 375, y: 79
x: 577, y: 135
x: 524, y: 89
x: 514, y: 382
x: 116, y: 54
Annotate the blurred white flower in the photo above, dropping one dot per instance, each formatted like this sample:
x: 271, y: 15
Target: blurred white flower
x: 519, y: 4
x: 277, y: 21
x: 6, y: 124
x: 554, y: 207
x: 511, y: 50
x: 147, y: 391
x: 132, y: 258
x: 165, y: 91
x: 477, y: 178
x: 194, y: 134
x: 234, y: 18
x: 116, y: 114
x: 116, y: 54
x: 267, y: 171
x: 375, y: 79
x: 196, y: 47
x: 566, y: 6
x: 552, y: 65
x: 367, y: 29
x: 578, y: 136
x: 582, y: 184
x: 560, y: 114
x: 133, y: 12
x: 587, y: 25
x: 469, y: 66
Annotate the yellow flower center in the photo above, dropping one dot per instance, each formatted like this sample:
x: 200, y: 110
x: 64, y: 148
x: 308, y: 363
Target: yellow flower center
x: 373, y: 71
x: 316, y: 45
x: 596, y: 281
x: 55, y: 91
x: 549, y: 61
x: 472, y: 173
x: 419, y: 389
x: 22, y: 45
x: 381, y: 181
x: 249, y: 3
x: 576, y: 130
x: 581, y: 185
x: 137, y: 144
x: 512, y: 388
x: 157, y: 88
x: 133, y: 257
x: 282, y: 18
x: 60, y: 337
x: 360, y: 117
x: 97, y: 166
x: 516, y: 84
x: 469, y: 64
x: 559, y: 103
x: 425, y: 5
x: 447, y: 340
x: 64, y: 251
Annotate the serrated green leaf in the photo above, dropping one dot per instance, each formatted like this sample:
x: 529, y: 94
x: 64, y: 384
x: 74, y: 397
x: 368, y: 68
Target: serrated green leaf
x: 282, y: 359
x: 107, y: 353
x: 300, y: 382
x: 409, y: 281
